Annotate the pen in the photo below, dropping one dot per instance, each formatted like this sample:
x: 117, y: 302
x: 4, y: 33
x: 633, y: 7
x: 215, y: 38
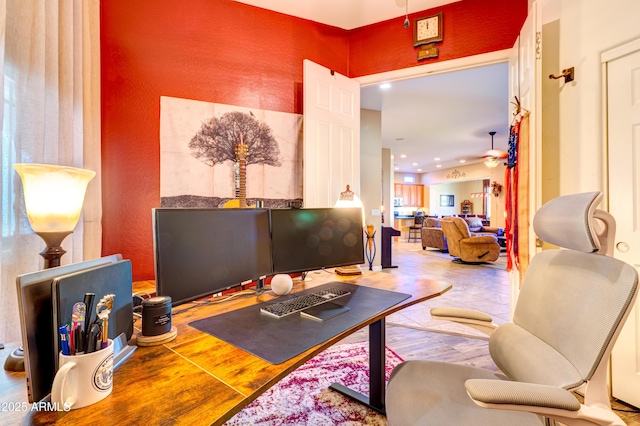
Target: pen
x: 88, y: 302
x: 79, y: 340
x: 64, y: 342
x: 71, y: 337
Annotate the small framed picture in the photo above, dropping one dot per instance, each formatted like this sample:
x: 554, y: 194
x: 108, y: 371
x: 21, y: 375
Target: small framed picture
x: 446, y: 201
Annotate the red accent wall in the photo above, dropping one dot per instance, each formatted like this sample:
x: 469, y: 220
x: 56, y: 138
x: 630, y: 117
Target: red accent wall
x: 225, y: 52
x: 470, y: 27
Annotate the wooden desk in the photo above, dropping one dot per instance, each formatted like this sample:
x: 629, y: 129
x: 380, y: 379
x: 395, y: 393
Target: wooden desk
x: 199, y: 379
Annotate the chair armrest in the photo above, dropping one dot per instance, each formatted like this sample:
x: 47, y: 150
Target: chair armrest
x: 549, y: 401
x: 480, y: 239
x: 492, y: 229
x: 474, y: 319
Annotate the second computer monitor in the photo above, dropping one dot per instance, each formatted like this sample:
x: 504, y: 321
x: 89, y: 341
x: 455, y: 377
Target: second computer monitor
x: 309, y: 239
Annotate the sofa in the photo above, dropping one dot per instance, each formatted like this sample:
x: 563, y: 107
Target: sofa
x: 476, y: 227
x: 432, y: 235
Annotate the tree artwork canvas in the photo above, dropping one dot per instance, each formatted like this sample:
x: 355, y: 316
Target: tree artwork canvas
x: 217, y: 155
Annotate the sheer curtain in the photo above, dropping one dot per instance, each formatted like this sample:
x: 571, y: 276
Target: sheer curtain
x: 49, y: 65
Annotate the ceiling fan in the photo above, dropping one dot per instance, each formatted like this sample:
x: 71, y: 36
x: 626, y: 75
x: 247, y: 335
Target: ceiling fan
x: 493, y: 156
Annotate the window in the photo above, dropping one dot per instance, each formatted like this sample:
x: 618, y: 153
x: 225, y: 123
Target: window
x: 8, y: 156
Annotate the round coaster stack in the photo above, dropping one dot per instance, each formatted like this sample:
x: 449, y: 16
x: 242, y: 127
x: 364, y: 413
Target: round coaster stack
x: 156, y: 340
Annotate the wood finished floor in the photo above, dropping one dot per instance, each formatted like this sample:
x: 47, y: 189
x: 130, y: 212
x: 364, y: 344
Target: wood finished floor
x: 413, y: 334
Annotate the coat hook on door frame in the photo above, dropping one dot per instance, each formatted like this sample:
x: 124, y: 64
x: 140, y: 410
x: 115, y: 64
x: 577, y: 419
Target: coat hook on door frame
x: 567, y: 74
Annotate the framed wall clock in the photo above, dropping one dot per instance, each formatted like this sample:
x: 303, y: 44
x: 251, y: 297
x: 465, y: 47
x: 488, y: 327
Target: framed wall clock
x: 427, y: 30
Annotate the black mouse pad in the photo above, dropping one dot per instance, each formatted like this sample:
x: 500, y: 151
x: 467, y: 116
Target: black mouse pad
x: 278, y: 339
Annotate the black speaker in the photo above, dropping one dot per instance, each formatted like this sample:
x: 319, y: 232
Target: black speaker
x: 156, y: 316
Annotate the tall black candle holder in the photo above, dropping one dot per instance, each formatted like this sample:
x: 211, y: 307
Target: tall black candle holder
x: 370, y: 249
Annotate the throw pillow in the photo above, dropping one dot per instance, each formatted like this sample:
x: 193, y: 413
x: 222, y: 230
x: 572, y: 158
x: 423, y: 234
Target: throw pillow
x: 475, y: 223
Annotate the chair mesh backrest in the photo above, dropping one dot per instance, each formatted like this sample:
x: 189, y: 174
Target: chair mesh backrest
x: 567, y: 221
x: 574, y: 299
x: 418, y: 220
x: 574, y: 302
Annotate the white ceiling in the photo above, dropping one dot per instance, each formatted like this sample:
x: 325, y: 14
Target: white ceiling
x: 448, y: 116
x: 347, y: 14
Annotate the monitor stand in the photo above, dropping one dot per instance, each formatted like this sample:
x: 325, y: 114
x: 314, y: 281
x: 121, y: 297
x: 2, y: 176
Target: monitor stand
x: 260, y: 287
x: 303, y: 278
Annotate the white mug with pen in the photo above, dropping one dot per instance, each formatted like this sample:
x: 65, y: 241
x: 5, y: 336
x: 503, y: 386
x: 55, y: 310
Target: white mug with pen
x: 83, y: 379
x: 85, y: 375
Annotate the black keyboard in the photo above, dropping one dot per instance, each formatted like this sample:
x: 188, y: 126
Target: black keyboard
x: 300, y: 303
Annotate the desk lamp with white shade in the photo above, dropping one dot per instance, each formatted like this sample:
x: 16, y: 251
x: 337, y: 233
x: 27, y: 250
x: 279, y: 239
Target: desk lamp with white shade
x: 53, y: 197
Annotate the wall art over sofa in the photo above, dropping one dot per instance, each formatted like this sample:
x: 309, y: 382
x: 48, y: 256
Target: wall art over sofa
x: 212, y: 154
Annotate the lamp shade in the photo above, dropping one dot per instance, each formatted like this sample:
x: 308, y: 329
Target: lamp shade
x: 53, y: 195
x: 349, y: 199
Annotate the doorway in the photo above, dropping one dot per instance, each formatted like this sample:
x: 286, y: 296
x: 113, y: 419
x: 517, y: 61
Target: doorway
x: 438, y: 126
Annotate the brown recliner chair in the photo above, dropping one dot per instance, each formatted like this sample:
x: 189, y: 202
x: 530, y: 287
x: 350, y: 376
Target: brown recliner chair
x: 433, y: 235
x: 467, y: 248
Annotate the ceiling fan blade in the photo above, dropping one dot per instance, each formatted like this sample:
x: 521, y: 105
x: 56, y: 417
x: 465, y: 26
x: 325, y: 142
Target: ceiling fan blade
x: 494, y: 153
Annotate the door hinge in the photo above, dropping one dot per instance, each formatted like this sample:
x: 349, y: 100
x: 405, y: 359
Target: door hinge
x: 538, y: 45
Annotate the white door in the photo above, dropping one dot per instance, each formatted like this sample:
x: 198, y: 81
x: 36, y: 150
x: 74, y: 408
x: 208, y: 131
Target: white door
x: 623, y: 105
x: 524, y: 75
x: 331, y: 148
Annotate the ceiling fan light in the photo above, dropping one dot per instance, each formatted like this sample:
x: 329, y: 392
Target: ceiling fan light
x: 494, y: 153
x: 491, y: 162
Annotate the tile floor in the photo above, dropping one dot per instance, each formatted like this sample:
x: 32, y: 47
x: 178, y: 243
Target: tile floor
x: 413, y: 334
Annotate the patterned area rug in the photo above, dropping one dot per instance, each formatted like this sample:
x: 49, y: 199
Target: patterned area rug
x: 303, y: 397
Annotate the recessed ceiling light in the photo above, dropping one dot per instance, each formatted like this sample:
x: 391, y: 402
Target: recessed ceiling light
x: 419, y: 170
x: 437, y: 159
x: 463, y: 161
x: 403, y: 155
x: 414, y: 164
x: 397, y: 168
x: 385, y: 85
x: 438, y: 165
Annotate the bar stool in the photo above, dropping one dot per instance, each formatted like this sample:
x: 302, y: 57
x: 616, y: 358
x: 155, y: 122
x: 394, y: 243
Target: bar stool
x: 416, y: 229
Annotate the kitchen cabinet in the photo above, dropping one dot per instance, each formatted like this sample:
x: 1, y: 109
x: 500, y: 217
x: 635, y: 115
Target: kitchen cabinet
x: 397, y: 190
x: 411, y: 194
x: 402, y: 225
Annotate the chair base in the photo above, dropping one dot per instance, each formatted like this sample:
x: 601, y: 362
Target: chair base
x: 463, y: 262
x: 414, y: 233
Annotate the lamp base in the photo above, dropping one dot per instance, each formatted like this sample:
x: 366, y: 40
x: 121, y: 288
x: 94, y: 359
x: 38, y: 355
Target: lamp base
x: 52, y: 256
x: 53, y: 252
x: 15, y: 361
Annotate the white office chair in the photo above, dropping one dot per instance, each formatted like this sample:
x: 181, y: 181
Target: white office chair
x: 571, y: 308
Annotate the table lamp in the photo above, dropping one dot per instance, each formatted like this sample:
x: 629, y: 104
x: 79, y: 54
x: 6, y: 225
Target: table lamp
x: 349, y: 199
x: 53, y: 197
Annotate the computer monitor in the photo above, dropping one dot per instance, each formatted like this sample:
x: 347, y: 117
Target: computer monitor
x: 309, y: 239
x: 199, y: 252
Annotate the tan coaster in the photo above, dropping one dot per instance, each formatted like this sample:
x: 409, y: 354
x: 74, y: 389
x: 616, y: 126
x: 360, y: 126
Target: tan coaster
x: 348, y: 270
x: 156, y: 340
